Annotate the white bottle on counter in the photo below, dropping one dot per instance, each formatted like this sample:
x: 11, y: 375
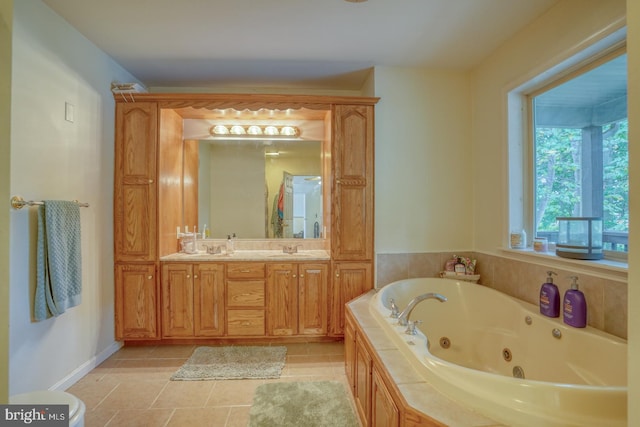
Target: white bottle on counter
x: 230, y: 248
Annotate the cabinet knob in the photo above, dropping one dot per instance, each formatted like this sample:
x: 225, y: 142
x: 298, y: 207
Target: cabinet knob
x: 150, y: 181
x: 337, y: 274
x: 195, y: 276
x: 294, y: 276
x: 149, y: 277
x: 302, y: 276
x: 188, y: 276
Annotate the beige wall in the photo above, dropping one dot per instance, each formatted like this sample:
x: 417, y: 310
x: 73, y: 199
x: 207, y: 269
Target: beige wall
x: 6, y: 24
x: 561, y: 32
x: 423, y: 160
x: 56, y: 159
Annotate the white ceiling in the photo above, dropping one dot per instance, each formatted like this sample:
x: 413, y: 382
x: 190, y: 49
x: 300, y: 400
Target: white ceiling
x: 319, y: 44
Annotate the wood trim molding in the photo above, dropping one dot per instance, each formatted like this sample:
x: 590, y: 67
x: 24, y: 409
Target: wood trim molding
x: 185, y: 102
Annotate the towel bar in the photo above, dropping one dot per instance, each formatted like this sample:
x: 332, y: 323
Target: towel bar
x: 18, y: 202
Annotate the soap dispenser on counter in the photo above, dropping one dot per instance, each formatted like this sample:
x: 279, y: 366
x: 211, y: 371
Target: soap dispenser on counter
x: 230, y: 248
x: 550, y: 297
x: 575, y: 306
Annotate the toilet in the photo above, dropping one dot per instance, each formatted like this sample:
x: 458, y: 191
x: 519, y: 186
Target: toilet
x: 76, y: 406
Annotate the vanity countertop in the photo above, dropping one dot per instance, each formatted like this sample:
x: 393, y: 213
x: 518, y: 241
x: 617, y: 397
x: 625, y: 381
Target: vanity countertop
x: 250, y: 255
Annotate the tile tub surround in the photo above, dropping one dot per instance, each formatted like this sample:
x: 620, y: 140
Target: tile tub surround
x: 606, y: 298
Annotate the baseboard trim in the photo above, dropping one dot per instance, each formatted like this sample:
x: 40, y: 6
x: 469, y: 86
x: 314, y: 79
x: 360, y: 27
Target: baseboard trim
x: 86, y: 367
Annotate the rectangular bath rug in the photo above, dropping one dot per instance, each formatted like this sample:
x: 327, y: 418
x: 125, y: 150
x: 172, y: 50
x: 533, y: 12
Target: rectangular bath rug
x: 232, y: 362
x: 308, y: 404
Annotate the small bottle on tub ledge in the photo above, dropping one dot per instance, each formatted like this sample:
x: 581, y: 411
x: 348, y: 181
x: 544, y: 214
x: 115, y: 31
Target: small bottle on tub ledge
x: 550, y: 297
x: 575, y: 306
x: 518, y: 239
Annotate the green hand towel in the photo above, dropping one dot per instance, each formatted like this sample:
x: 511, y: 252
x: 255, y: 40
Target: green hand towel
x: 59, y: 261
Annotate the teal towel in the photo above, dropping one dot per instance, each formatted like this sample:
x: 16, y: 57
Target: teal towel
x: 59, y: 261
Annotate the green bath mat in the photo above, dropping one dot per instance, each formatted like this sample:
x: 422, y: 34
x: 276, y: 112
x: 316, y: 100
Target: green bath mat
x: 308, y: 404
x: 232, y: 362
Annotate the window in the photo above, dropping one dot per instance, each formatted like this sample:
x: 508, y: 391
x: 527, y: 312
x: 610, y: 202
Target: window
x: 580, y: 150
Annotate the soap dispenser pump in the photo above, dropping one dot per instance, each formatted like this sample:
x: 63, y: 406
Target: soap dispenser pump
x: 575, y: 306
x: 230, y: 248
x: 550, y: 297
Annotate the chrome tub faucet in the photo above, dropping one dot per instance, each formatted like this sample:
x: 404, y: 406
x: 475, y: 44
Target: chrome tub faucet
x: 403, y: 317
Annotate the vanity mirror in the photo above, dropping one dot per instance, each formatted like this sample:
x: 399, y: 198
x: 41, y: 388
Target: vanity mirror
x: 257, y: 186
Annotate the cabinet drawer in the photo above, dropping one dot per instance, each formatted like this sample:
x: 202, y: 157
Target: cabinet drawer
x: 245, y: 322
x: 245, y: 270
x: 245, y: 293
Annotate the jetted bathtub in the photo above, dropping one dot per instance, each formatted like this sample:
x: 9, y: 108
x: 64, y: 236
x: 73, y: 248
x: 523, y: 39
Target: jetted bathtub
x: 499, y: 356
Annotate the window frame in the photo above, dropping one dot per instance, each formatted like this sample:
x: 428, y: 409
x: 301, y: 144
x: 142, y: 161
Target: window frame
x: 519, y: 152
x: 549, y: 84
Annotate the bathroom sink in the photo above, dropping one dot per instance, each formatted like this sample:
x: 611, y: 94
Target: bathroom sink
x: 292, y: 255
x: 251, y: 255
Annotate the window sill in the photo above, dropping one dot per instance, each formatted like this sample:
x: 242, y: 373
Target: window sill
x: 604, y: 268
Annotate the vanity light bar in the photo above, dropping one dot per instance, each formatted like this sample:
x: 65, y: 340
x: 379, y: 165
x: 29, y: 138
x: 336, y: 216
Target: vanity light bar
x: 254, y: 130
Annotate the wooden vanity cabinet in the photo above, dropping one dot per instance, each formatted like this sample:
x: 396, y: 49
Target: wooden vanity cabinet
x: 209, y: 313
x: 352, y: 207
x: 349, y: 352
x: 192, y: 300
x: 362, y: 380
x: 245, y: 299
x: 350, y: 279
x: 378, y: 400
x: 384, y: 412
x: 135, y: 221
x: 352, y: 183
x: 137, y: 301
x: 145, y: 182
x: 297, y: 299
x: 136, y: 190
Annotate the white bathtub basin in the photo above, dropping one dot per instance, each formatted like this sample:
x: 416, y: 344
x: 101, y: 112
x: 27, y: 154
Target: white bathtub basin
x: 579, y: 379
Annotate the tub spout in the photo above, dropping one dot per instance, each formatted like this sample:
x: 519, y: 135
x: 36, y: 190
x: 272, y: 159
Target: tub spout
x: 403, y: 318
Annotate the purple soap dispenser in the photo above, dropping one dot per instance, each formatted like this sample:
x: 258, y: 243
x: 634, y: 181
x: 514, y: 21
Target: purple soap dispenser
x: 550, y: 297
x: 575, y: 306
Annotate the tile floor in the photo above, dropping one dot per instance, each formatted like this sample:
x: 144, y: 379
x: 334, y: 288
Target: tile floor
x: 132, y: 387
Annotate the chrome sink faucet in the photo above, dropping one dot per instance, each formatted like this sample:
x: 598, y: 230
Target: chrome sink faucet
x: 212, y: 249
x: 403, y: 317
x: 290, y: 249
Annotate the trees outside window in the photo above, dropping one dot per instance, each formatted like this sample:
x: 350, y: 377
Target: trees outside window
x: 580, y: 151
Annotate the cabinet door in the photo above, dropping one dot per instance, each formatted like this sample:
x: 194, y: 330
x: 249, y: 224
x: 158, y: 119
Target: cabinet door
x: 177, y: 300
x: 350, y: 352
x: 208, y: 280
x: 135, y: 192
x: 136, y: 301
x: 282, y: 299
x: 352, y: 186
x: 362, y: 378
x: 384, y: 412
x: 312, y: 295
x: 350, y: 279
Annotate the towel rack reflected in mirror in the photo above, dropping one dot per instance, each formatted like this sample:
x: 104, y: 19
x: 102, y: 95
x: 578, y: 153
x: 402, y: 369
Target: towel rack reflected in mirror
x: 18, y: 202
